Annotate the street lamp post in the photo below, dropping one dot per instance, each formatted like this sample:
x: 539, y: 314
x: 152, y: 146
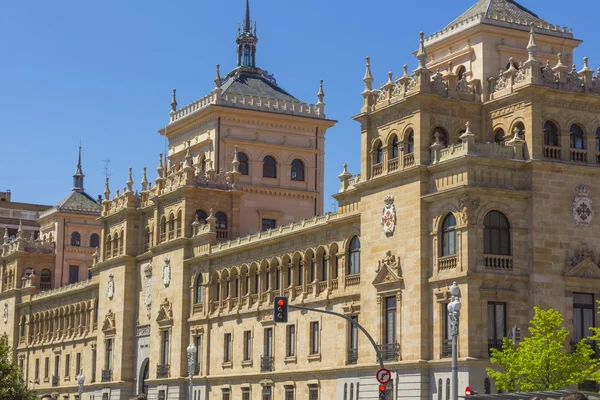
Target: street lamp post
x: 191, y: 356
x: 80, y: 381
x: 454, y: 314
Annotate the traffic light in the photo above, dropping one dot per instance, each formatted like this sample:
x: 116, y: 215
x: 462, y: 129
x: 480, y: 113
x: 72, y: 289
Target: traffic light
x: 280, y: 309
x: 382, y: 393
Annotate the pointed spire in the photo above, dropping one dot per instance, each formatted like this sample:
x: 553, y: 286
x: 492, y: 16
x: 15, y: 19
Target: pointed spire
x: 532, y: 46
x: 174, y: 101
x: 130, y: 181
x: 368, y: 78
x: 218, y: 77
x: 320, y: 106
x: 78, y: 175
x: 160, y: 169
x: 247, y: 22
x: 5, y: 234
x: 421, y: 54
x: 106, y: 190
x: 144, y: 181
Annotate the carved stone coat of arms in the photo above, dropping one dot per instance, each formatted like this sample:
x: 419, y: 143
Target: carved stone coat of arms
x: 388, y: 216
x: 583, y: 210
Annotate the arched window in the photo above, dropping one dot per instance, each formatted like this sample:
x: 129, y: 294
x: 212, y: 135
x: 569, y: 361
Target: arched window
x: 45, y: 279
x: 171, y: 226
x: 352, y: 390
x: 379, y: 154
x: 577, y: 137
x: 394, y: 147
x: 354, y: 256
x: 243, y: 167
x: 178, y: 223
x: 94, y: 240
x: 163, y: 228
x: 499, y: 136
x: 410, y: 142
x: 324, y: 267
x: 439, y: 388
x: 201, y: 216
x: 346, y: 391
x: 199, y: 289
x: 23, y: 326
x: 496, y: 234
x: 277, y: 277
x: 108, y: 246
x: 116, y: 244
x: 487, y: 386
x: 75, y: 239
x: 598, y: 140
x: 442, y: 136
x: 147, y: 238
x: 447, y: 388
x: 550, y: 134
x: 269, y: 167
x: 221, y: 220
x: 297, y: 170
x: 449, y: 236
x: 461, y: 72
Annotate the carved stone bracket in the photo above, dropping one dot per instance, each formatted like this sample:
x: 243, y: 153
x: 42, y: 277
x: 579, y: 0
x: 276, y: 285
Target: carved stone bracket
x: 468, y: 206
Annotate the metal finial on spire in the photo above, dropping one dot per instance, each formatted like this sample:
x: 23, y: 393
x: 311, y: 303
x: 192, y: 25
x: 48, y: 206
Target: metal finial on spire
x: 130, y: 181
x: 78, y: 175
x: 368, y: 78
x: 421, y: 54
x: 218, y: 77
x: 321, y: 94
x: 106, y: 190
x: 532, y: 46
x: 247, y: 22
x: 144, y: 181
x: 174, y: 101
x: 160, y: 169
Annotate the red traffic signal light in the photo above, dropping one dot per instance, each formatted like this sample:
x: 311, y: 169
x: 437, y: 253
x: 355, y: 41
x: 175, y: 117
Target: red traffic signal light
x: 280, y: 309
x: 381, y: 388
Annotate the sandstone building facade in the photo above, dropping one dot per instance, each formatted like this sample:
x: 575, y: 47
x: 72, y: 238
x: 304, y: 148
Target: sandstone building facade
x: 467, y: 174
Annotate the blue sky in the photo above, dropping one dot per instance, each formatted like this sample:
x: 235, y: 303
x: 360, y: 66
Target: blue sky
x: 102, y: 72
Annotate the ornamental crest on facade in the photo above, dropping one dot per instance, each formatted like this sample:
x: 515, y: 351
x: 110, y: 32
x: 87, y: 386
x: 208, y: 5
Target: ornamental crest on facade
x: 111, y: 287
x: 148, y: 288
x: 166, y: 275
x: 583, y: 210
x: 388, y: 216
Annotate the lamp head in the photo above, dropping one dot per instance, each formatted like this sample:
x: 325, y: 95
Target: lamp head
x: 191, y: 349
x: 457, y: 304
x: 454, y: 290
x: 450, y: 307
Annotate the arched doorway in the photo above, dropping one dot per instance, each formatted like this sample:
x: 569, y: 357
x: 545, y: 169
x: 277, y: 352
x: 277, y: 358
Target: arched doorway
x: 144, y: 371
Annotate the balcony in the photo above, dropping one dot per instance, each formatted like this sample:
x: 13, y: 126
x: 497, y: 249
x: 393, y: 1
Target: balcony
x: 552, y: 152
x: 54, y: 381
x: 492, y: 344
x: 352, y: 280
x: 494, y: 261
x: 106, y: 375
x: 392, y: 164
x: 409, y: 160
x: 162, y: 371
x: 446, y: 348
x: 266, y: 364
x: 352, y: 356
x: 390, y: 351
x: 579, y: 156
x: 377, y: 169
x: 222, y: 234
x: 447, y: 263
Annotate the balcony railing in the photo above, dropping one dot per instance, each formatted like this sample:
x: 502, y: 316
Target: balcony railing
x: 162, y: 371
x: 54, y: 381
x: 392, y: 164
x: 352, y: 280
x: 409, y: 160
x: 106, y: 375
x: 579, y: 156
x: 352, y: 356
x: 266, y: 364
x: 390, y: 351
x: 377, y: 169
x: 494, y: 261
x: 492, y: 344
x: 447, y: 263
x: 446, y: 348
x: 222, y: 234
x: 552, y: 152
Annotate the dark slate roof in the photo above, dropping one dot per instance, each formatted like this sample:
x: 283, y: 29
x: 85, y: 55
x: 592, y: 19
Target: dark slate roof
x: 500, y: 9
x: 252, y: 82
x: 78, y: 203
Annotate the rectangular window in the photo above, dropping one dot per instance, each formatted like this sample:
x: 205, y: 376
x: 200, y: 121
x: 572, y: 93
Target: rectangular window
x: 289, y: 393
x: 247, y: 345
x: 93, y: 377
x: 390, y: 320
x: 109, y: 351
x: 73, y: 273
x: 583, y: 315
x: 226, y: 394
x: 77, y: 363
x: 496, y: 325
x: 56, y: 365
x: 37, y: 368
x: 353, y: 341
x: 46, y: 367
x: 198, y: 348
x: 245, y: 393
x: 268, y: 350
x: 267, y: 393
x: 268, y: 224
x: 227, y: 349
x: 291, y: 339
x: 446, y: 332
x: 313, y: 392
x: 67, y: 364
x: 314, y: 337
x: 164, y: 360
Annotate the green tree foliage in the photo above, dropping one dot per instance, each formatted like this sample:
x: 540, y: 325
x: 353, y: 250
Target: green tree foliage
x: 596, y: 337
x: 12, y: 386
x: 543, y: 360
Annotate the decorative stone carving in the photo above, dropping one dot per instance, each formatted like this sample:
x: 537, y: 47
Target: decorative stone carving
x: 388, y: 216
x: 583, y: 211
x: 143, y: 330
x: 468, y: 206
x: 583, y: 264
x: 166, y: 275
x: 6, y: 313
x: 165, y: 314
x: 388, y: 261
x: 501, y: 83
x: 388, y: 272
x: 548, y: 74
x: 148, y: 288
x: 580, y: 255
x: 463, y: 85
x: 110, y: 290
x: 437, y: 81
x: 109, y: 325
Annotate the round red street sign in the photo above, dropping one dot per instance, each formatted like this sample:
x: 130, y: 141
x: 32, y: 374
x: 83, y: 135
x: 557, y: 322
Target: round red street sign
x: 383, y: 376
x: 468, y: 391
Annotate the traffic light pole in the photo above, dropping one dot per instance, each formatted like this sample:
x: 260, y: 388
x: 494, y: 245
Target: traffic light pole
x: 349, y: 320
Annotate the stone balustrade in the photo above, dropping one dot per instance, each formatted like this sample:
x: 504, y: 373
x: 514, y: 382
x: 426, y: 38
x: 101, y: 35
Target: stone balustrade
x: 352, y: 280
x: 494, y: 261
x: 28, y: 245
x: 63, y: 289
x: 447, y: 263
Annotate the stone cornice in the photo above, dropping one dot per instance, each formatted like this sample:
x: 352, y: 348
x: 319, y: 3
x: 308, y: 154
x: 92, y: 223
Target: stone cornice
x: 471, y: 189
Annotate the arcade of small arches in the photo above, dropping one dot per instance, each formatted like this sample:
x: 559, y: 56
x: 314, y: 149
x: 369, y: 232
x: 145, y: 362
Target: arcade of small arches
x: 60, y: 323
x: 312, y: 271
x: 76, y: 240
x: 113, y: 246
x: 394, y: 153
x: 269, y: 167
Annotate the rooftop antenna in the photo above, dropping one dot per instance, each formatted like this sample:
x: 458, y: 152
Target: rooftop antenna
x: 105, y: 169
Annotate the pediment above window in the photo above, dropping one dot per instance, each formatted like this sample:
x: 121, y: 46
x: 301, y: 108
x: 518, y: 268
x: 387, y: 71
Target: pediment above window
x: 109, y: 324
x: 582, y: 265
x: 165, y: 314
x: 389, y: 275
